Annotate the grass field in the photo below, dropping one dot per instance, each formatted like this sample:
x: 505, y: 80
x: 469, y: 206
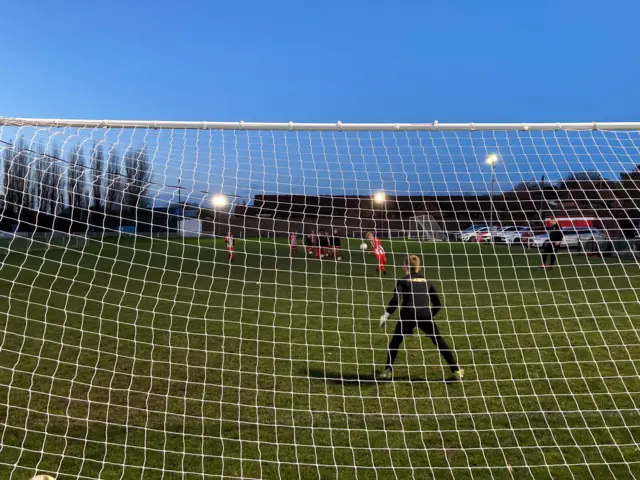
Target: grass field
x: 154, y: 359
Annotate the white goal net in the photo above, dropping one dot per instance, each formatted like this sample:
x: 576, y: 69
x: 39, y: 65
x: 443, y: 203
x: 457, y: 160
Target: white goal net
x: 204, y: 300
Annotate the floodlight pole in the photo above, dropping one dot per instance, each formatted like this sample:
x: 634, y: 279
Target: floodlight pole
x: 493, y: 178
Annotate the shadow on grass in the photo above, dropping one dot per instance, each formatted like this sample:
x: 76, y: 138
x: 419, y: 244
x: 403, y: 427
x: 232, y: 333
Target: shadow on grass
x: 363, y: 379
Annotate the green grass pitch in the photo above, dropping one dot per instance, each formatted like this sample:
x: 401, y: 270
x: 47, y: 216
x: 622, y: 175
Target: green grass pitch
x: 153, y: 359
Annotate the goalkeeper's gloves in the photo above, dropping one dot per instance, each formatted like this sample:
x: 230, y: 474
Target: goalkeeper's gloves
x: 383, y: 319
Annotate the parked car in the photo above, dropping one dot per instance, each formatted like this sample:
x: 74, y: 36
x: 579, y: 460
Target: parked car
x: 489, y: 234
x: 512, y: 234
x: 477, y: 235
x: 471, y: 228
x: 537, y: 240
x: 497, y: 234
x: 573, y: 237
x: 521, y: 236
x: 578, y: 237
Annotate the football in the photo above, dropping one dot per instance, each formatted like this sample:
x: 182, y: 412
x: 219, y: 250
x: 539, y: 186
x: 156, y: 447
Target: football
x: 42, y: 477
x: 363, y: 246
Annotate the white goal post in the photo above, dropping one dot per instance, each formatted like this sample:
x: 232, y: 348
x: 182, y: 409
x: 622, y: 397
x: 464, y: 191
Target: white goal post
x: 208, y: 299
x: 425, y: 227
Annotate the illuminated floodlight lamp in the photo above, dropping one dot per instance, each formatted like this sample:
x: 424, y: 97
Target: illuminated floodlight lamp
x: 491, y: 160
x: 379, y: 197
x: 219, y: 201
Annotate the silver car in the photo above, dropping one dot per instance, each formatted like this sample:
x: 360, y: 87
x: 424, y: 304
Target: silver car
x: 513, y: 234
x: 538, y: 241
x: 572, y: 238
x: 578, y: 237
x: 463, y: 235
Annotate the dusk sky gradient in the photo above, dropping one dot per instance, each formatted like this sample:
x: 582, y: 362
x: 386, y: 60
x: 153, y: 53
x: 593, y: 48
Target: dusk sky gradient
x: 354, y: 61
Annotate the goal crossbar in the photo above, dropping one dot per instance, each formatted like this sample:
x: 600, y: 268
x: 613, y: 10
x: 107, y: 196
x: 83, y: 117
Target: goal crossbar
x: 338, y: 126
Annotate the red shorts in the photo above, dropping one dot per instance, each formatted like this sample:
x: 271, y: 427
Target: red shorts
x: 382, y: 258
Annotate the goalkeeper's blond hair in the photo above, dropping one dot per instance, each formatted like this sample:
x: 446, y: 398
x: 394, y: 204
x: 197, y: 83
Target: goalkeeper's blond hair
x: 412, y: 262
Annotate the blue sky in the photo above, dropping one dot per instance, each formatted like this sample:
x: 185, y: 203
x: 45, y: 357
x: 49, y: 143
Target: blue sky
x: 357, y: 61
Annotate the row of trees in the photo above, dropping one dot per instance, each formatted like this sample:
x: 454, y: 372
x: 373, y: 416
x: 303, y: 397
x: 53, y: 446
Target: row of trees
x: 46, y: 182
x: 586, y: 179
x: 565, y: 183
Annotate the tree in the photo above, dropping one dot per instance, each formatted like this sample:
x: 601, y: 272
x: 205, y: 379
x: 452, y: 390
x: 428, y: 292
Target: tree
x: 37, y: 179
x: 16, y: 175
x: 580, y: 182
x: 528, y: 186
x: 586, y: 176
x: 630, y: 184
x: 137, y: 168
x: 113, y: 194
x: 633, y: 175
x: 52, y: 189
x: 7, y: 155
x: 97, y: 166
x: 76, y: 181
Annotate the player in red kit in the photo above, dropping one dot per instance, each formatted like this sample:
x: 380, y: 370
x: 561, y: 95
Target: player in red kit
x: 315, y: 241
x: 378, y: 251
x: 230, y: 241
x: 293, y: 243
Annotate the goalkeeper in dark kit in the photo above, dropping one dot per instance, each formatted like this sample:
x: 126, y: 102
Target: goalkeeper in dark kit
x: 551, y: 246
x: 420, y: 304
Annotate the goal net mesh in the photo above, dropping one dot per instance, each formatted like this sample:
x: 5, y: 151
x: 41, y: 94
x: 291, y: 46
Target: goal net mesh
x: 133, y: 346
